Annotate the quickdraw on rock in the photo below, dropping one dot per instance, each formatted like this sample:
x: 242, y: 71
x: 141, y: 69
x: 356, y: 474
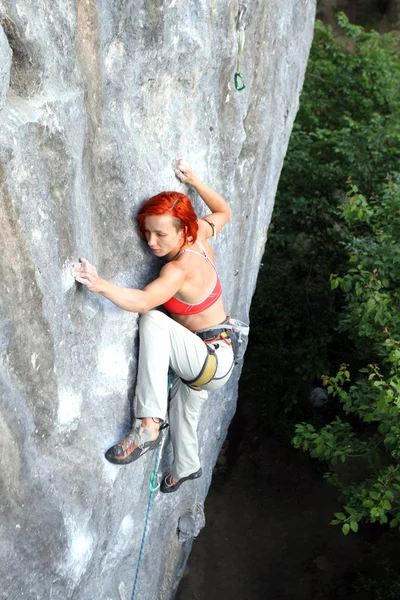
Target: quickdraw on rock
x: 241, y: 37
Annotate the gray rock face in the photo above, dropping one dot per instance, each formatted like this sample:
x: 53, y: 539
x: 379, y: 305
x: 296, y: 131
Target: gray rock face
x: 191, y: 523
x: 103, y: 95
x: 5, y: 66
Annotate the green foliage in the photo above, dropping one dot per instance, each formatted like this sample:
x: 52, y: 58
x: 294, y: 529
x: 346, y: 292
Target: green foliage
x: 328, y: 296
x: 348, y: 117
x: 371, y: 287
x: 371, y: 284
x: 381, y: 581
x: 347, y: 128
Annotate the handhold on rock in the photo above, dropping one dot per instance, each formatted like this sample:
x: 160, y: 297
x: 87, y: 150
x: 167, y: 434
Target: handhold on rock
x: 191, y: 523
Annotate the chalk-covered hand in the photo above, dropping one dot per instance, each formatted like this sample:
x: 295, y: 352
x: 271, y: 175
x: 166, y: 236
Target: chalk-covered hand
x: 86, y: 274
x: 183, y: 171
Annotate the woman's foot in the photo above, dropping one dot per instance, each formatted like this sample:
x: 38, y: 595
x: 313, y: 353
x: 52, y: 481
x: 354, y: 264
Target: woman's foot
x: 151, y: 423
x: 140, y: 440
x: 169, y: 484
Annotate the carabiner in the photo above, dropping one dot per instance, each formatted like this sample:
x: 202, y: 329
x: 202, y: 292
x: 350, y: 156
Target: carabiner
x: 153, y: 478
x: 239, y: 88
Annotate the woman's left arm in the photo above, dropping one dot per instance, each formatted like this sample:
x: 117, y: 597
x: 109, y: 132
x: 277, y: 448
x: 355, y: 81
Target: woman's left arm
x: 160, y: 290
x: 221, y: 212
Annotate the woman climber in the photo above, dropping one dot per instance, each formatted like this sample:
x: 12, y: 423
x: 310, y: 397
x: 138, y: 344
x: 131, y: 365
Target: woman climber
x: 193, y: 340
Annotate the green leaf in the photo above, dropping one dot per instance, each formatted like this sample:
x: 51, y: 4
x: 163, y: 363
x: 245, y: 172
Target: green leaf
x: 354, y: 526
x: 341, y: 516
x: 386, y: 504
x: 334, y: 284
x: 346, y: 528
x: 347, y: 285
x: 351, y: 511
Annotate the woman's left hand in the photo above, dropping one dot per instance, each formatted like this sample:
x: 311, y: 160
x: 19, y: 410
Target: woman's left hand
x: 183, y: 171
x: 86, y: 274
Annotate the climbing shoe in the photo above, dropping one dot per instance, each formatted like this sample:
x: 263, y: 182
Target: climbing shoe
x: 169, y: 484
x: 137, y: 443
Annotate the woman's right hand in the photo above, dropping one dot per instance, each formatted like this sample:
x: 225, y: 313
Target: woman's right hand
x: 86, y: 274
x: 183, y: 171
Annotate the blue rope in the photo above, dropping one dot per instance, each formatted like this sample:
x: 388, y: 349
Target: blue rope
x: 147, y: 519
x: 153, y: 489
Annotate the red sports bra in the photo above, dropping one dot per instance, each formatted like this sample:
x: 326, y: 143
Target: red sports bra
x: 179, y: 307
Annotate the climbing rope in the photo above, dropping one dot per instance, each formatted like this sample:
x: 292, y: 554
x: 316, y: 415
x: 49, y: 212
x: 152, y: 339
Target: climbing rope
x: 241, y: 36
x: 153, y: 486
x: 153, y: 489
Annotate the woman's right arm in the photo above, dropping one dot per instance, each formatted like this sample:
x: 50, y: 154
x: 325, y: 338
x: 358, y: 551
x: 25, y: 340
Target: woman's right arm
x: 160, y: 290
x: 220, y: 210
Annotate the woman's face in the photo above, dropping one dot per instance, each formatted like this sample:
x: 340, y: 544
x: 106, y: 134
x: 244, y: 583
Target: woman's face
x: 162, y: 236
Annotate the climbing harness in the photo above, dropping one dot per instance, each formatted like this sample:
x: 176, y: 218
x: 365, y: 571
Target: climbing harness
x: 210, y: 365
x: 153, y: 486
x: 236, y: 331
x: 241, y: 37
x: 207, y: 372
x: 239, y: 339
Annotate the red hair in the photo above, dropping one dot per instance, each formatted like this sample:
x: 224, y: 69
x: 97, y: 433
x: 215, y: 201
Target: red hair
x: 175, y: 204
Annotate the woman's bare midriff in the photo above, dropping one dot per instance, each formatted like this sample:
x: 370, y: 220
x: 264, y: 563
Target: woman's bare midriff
x: 193, y: 293
x: 205, y: 320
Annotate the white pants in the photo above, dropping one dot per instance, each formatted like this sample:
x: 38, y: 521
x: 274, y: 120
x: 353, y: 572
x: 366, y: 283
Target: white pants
x: 165, y: 343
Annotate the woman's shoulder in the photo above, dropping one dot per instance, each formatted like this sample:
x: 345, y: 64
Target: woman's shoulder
x: 200, y: 248
x: 203, y: 236
x: 204, y: 229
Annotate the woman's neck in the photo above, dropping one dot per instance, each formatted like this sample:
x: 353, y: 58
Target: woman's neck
x: 173, y: 255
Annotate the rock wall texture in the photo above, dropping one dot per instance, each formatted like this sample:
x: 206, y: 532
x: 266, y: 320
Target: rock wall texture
x: 96, y: 99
